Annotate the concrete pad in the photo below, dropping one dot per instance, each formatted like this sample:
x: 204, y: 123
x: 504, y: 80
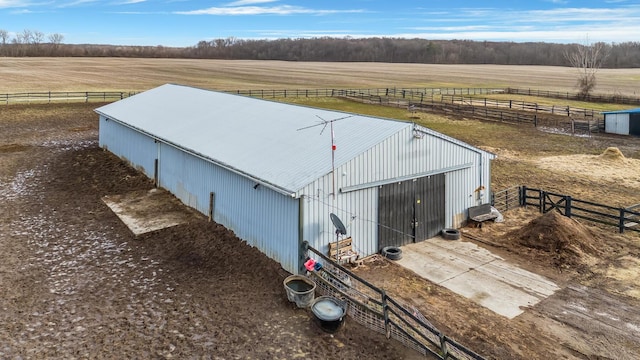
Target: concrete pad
x: 476, y: 273
x: 147, y: 211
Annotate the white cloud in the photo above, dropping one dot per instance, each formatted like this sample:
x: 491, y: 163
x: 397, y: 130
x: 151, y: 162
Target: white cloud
x: 249, y: 2
x: 263, y: 10
x: 14, y: 3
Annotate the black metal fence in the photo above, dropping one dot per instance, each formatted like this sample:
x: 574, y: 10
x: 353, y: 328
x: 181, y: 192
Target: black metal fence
x: 374, y: 309
x: 624, y: 219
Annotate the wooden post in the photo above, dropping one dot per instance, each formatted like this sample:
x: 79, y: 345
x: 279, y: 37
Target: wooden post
x: 385, y: 313
x: 567, y: 206
x: 621, y: 221
x: 211, y: 204
x: 443, y: 346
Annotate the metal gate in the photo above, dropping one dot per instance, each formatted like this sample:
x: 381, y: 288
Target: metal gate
x: 410, y: 211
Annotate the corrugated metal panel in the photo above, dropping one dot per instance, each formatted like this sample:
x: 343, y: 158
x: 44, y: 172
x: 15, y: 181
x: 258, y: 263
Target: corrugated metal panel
x: 258, y: 138
x: 400, y: 155
x: 139, y: 150
x: 262, y: 217
x: 356, y: 210
x: 617, y: 123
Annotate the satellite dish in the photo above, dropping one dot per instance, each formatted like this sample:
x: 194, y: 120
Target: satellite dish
x: 340, y: 229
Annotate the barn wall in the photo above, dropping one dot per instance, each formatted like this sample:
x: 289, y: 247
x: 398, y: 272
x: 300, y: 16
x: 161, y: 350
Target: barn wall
x: 617, y: 123
x: 400, y: 157
x: 139, y: 150
x: 260, y: 216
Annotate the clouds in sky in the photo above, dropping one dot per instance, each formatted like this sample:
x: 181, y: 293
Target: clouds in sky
x: 170, y: 21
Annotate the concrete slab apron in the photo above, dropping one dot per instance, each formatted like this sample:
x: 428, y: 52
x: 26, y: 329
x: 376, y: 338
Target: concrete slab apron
x: 147, y: 211
x: 476, y: 273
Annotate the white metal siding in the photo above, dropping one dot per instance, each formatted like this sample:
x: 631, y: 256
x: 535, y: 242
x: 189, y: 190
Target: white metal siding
x: 617, y: 124
x: 262, y: 217
x: 136, y: 148
x: 400, y: 156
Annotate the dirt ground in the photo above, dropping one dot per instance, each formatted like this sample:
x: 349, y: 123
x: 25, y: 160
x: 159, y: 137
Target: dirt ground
x: 75, y: 283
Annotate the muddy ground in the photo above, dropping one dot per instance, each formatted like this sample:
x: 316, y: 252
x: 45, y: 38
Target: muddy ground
x: 77, y: 284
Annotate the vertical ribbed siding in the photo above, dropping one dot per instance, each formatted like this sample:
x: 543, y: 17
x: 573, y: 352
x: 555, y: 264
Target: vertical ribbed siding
x: 262, y: 217
x: 355, y: 209
x: 136, y: 148
x: 401, y: 155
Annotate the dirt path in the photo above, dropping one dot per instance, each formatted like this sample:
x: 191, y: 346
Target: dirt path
x: 77, y: 284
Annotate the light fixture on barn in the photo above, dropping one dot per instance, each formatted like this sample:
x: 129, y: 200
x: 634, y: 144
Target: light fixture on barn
x: 324, y: 124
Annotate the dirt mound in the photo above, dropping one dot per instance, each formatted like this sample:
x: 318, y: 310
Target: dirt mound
x: 566, y: 239
x: 612, y: 153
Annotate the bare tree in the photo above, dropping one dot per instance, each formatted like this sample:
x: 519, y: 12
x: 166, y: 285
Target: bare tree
x: 56, y: 38
x: 26, y: 37
x: 4, y: 36
x: 587, y: 59
x: 37, y: 37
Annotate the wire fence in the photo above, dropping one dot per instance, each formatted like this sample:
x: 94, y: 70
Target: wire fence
x: 373, y: 308
x: 623, y: 219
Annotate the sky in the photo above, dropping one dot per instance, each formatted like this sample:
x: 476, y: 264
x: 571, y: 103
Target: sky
x: 186, y: 22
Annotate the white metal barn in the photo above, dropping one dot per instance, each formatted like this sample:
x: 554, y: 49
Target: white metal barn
x: 269, y: 172
x: 623, y: 122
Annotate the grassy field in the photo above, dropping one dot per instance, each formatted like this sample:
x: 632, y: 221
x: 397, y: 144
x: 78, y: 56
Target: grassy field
x: 529, y: 144
x: 124, y: 74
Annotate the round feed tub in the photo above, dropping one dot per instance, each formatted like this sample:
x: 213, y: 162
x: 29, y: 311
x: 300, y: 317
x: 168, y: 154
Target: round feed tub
x: 300, y: 289
x: 329, y: 312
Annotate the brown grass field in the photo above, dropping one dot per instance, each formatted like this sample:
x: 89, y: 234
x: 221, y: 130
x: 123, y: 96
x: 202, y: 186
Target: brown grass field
x: 58, y: 302
x: 125, y: 74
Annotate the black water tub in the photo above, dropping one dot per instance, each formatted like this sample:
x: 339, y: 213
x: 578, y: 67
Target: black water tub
x: 329, y: 312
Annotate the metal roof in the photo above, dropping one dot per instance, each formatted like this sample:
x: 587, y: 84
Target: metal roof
x: 259, y: 139
x: 628, y: 111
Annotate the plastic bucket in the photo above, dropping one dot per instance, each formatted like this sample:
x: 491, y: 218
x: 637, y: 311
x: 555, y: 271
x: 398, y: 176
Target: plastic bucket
x: 329, y: 312
x: 300, y: 289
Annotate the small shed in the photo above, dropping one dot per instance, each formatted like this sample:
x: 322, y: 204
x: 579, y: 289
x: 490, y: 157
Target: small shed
x: 274, y: 173
x: 623, y: 122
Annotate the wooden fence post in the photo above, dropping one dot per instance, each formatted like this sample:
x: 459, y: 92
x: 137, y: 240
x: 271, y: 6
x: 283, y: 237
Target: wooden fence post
x: 211, y: 205
x: 443, y: 346
x: 621, y: 221
x: 385, y: 312
x: 542, y: 199
x: 522, y: 200
x: 567, y: 206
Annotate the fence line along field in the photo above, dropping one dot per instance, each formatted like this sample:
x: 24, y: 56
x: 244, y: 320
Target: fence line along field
x: 134, y: 74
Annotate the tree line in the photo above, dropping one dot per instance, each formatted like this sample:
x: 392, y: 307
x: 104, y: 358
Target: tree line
x: 390, y: 50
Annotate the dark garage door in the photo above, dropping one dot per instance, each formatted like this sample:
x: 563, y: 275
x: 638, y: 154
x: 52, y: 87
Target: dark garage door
x: 410, y: 211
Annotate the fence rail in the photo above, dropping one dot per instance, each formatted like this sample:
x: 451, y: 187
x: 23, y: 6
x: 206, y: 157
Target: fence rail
x: 522, y: 105
x: 63, y: 96
x: 616, y: 99
x: 624, y: 219
x: 374, y: 309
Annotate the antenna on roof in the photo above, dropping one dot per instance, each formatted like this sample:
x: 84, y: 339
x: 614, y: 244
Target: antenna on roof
x: 324, y: 124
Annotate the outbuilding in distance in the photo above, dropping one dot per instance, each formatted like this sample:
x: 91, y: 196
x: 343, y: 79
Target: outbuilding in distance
x: 274, y: 172
x: 622, y: 122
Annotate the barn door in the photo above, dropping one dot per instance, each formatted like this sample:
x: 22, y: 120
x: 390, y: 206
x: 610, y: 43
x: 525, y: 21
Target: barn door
x: 429, y: 207
x: 395, y: 213
x: 410, y: 211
